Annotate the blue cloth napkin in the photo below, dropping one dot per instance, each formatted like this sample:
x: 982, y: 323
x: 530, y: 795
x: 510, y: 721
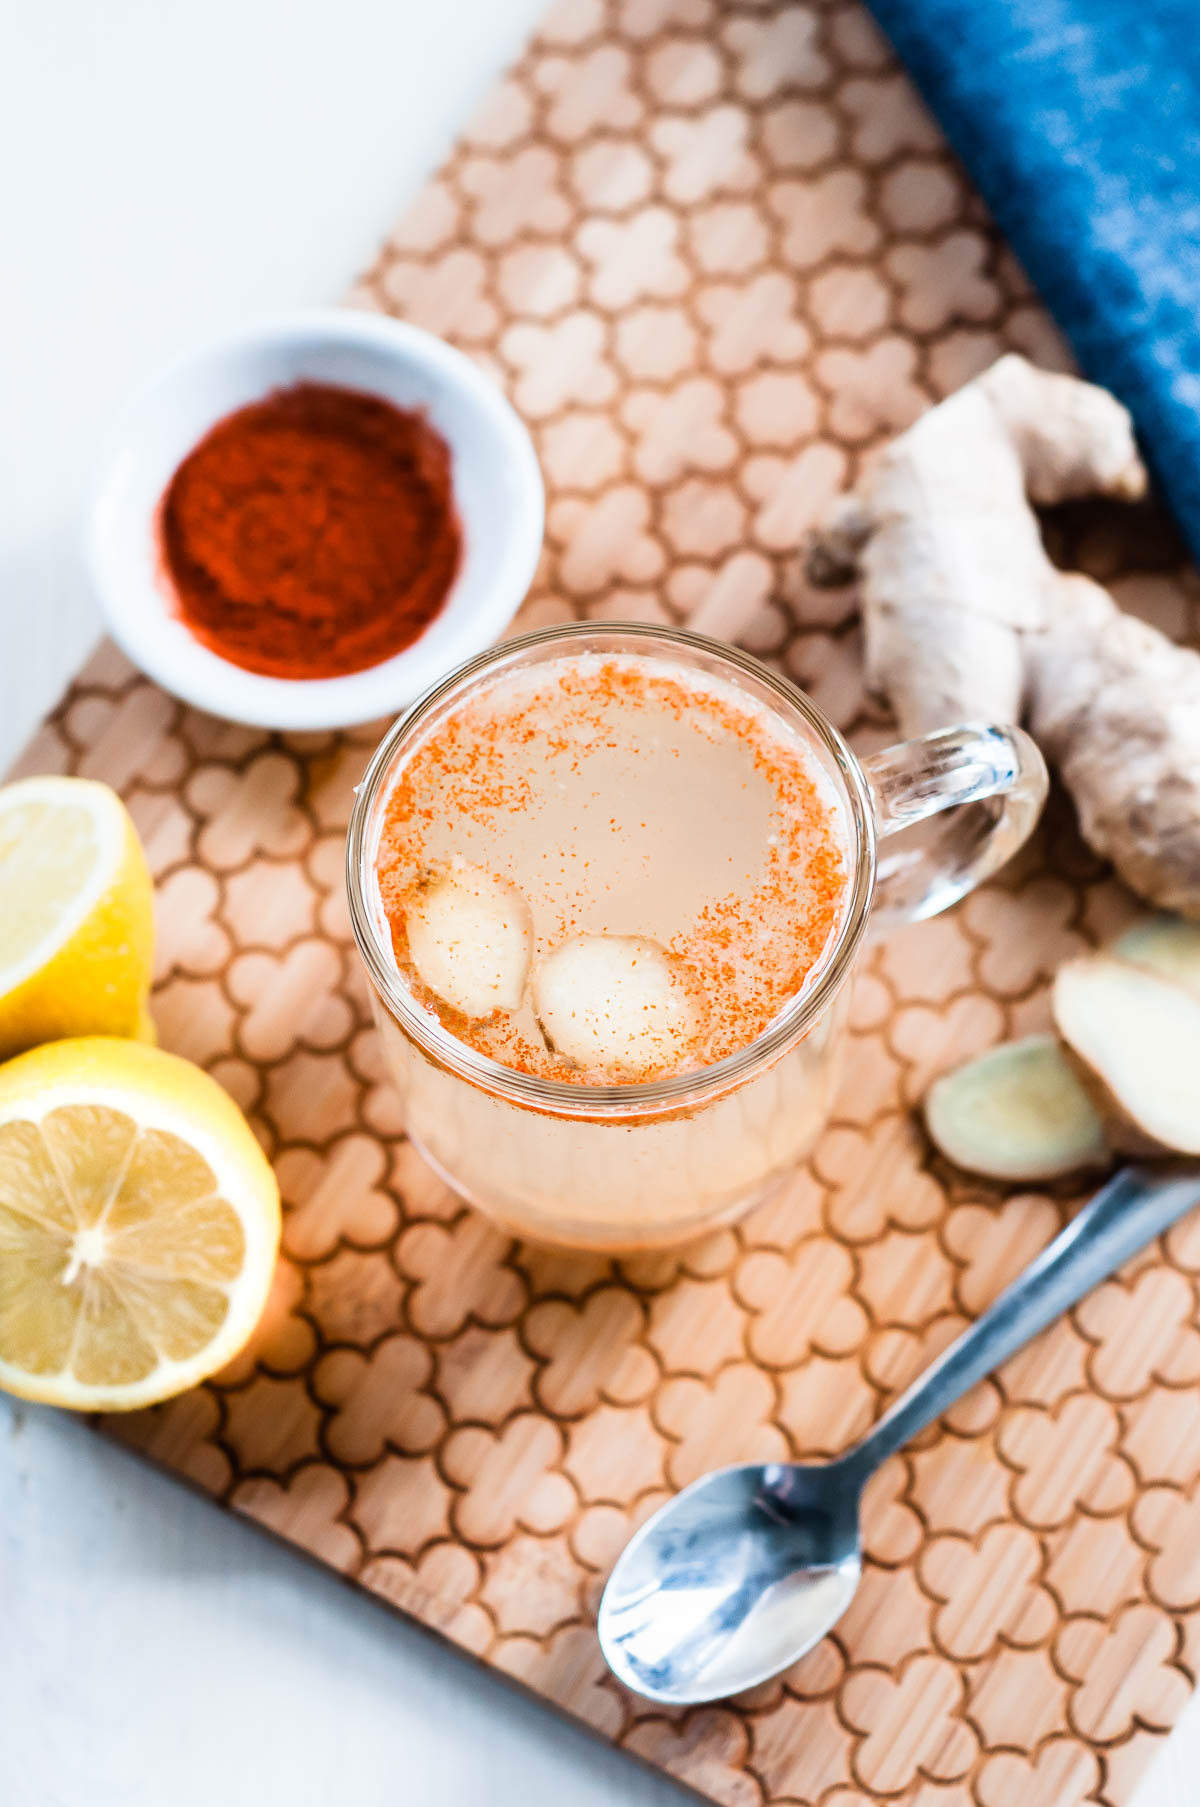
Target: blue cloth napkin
x: 1079, y: 121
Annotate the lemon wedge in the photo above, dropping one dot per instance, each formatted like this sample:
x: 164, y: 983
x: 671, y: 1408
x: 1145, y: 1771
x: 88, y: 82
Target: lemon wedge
x: 76, y: 914
x: 139, y: 1224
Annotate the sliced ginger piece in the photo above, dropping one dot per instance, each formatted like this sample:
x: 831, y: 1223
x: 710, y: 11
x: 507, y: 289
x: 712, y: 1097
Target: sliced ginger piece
x: 1018, y: 1112
x: 1167, y: 945
x: 470, y: 937
x: 1137, y: 1035
x: 616, y: 1004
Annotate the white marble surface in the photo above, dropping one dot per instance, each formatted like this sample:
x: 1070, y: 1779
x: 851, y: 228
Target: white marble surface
x: 170, y: 170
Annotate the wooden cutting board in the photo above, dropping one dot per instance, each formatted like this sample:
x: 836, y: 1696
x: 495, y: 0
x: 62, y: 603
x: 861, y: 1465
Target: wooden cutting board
x: 715, y: 252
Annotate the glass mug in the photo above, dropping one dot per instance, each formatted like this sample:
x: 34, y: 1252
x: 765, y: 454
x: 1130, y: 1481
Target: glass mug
x: 647, y: 1165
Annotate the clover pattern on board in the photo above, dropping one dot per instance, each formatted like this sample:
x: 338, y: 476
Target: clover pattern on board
x: 716, y: 252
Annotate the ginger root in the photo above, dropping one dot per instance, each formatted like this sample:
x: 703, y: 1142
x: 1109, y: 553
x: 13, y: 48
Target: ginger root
x: 1116, y: 707
x: 1123, y: 1073
x: 966, y: 619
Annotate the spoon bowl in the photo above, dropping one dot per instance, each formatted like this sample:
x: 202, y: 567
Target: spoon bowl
x: 732, y: 1580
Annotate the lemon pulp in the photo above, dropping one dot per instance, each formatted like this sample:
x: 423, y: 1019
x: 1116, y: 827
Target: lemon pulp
x: 117, y: 1249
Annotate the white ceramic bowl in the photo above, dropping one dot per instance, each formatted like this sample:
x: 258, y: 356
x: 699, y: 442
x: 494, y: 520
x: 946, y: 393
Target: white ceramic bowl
x: 497, y: 489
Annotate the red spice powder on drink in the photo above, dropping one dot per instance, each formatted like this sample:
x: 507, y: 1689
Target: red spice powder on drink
x: 313, y: 533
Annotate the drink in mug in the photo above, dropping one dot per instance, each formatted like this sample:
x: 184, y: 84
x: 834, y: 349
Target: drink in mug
x: 609, y: 884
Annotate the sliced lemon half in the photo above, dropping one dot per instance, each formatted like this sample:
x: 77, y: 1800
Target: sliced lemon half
x: 76, y: 913
x: 139, y: 1224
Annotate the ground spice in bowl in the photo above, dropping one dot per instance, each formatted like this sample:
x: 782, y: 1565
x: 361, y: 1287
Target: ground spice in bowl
x: 313, y: 533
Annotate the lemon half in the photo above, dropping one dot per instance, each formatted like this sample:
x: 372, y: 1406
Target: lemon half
x: 76, y: 913
x: 139, y: 1224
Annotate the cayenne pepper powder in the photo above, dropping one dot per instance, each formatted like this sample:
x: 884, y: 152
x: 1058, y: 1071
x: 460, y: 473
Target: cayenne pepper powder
x: 313, y: 533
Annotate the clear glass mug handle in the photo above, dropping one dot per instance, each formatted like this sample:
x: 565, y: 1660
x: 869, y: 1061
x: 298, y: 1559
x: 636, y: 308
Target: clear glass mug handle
x: 993, y: 779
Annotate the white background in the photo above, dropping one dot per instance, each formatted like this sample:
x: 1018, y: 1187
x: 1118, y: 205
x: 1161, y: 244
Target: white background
x: 170, y: 168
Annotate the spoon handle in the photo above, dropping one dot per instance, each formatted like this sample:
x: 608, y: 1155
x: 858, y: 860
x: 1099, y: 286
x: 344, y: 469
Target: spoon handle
x: 1135, y: 1206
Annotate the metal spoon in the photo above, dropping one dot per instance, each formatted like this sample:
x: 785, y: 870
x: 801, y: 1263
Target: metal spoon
x: 749, y: 1567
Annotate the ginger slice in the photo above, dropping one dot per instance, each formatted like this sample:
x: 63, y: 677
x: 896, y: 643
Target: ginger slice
x: 1018, y: 1112
x: 616, y: 1004
x: 1137, y: 1036
x: 470, y: 937
x: 1168, y: 945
